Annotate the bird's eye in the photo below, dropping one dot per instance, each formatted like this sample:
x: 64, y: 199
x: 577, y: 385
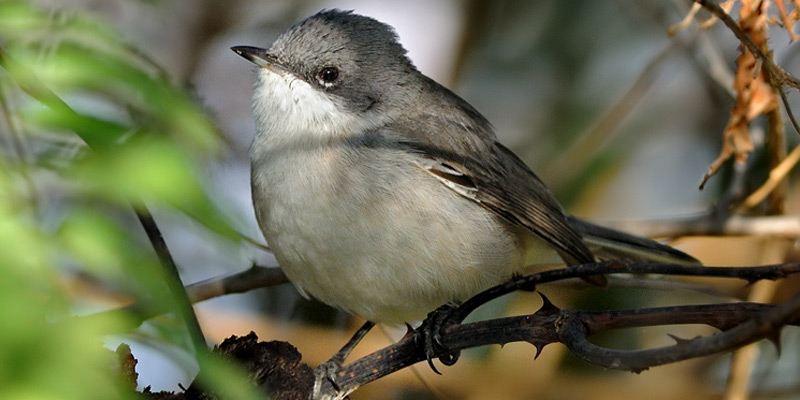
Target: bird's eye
x: 328, y: 75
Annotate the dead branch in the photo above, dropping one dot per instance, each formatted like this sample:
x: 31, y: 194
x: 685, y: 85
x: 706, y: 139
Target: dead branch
x: 738, y: 323
x: 741, y: 323
x: 254, y: 277
x: 705, y: 224
x: 778, y: 76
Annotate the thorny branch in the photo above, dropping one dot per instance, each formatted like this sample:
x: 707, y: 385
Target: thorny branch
x: 739, y: 323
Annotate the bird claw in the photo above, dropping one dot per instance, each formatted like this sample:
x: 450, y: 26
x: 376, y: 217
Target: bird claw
x: 430, y: 335
x: 329, y: 370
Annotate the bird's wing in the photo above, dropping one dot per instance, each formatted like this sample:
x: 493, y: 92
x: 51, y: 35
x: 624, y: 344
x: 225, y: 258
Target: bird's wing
x: 466, y: 158
x: 503, y: 184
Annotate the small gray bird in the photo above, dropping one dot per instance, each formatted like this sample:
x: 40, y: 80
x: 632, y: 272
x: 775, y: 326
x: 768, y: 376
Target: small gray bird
x: 383, y: 193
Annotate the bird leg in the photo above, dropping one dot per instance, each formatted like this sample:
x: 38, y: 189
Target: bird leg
x: 330, y: 368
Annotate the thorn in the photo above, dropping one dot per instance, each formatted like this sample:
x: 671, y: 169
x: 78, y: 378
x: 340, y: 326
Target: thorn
x: 679, y: 340
x: 409, y: 331
x: 547, y: 308
x: 539, y: 345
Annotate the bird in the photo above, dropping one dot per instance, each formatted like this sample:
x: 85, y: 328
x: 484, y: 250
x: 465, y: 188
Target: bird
x: 383, y: 193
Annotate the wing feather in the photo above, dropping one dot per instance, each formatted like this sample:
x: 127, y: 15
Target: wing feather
x: 460, y: 149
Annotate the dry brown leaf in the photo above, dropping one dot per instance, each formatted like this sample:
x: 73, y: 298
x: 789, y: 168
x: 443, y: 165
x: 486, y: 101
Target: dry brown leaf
x: 754, y: 96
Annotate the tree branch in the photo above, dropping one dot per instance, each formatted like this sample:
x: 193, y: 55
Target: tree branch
x: 776, y: 75
x: 172, y: 278
x: 254, y: 277
x: 711, y: 224
x: 742, y: 323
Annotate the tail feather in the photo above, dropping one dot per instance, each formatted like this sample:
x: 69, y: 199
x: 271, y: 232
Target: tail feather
x: 610, y: 243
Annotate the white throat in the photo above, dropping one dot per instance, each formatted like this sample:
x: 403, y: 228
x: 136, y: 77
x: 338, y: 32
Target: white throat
x: 288, y: 108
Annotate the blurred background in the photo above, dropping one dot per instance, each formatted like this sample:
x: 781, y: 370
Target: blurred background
x: 617, y: 117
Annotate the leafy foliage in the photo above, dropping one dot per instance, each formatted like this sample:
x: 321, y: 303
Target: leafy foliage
x: 91, y: 127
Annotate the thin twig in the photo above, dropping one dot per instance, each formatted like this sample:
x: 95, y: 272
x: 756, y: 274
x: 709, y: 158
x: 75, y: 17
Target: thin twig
x: 254, y: 277
x: 686, y: 20
x: 529, y: 282
x: 172, y: 278
x: 573, y: 333
x: 574, y: 159
x: 91, y: 132
x: 788, y: 109
x: 717, y: 68
x: 708, y: 224
x: 777, y: 75
x: 776, y: 176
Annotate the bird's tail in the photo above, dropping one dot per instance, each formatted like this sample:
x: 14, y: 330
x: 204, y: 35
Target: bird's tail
x: 610, y: 243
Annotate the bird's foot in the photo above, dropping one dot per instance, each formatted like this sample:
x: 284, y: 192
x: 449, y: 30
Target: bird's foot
x: 429, y: 337
x: 329, y: 370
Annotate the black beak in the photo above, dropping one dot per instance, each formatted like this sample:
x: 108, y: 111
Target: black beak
x: 258, y: 56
